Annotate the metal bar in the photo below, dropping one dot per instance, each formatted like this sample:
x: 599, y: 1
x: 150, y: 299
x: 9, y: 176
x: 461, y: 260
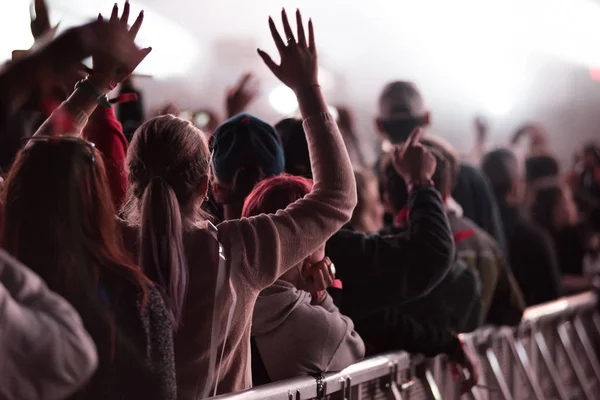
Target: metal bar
x: 596, y: 319
x: 563, y: 335
x: 520, y: 355
x: 432, y: 387
x: 587, y: 345
x: 550, y: 366
x: 493, y: 361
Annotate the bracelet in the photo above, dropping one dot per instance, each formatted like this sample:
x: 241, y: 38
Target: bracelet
x: 86, y: 85
x: 420, y: 183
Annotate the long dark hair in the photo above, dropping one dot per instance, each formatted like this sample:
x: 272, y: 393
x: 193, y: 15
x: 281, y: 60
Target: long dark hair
x: 167, y: 160
x: 60, y: 221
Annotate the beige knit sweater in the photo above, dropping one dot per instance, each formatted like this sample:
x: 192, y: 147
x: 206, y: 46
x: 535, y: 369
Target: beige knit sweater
x: 258, y: 250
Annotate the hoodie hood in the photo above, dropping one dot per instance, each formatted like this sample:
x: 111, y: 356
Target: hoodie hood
x: 275, y: 304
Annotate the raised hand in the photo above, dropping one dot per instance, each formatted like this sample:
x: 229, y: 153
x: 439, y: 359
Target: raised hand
x: 241, y: 95
x: 40, y: 21
x: 110, y: 68
x: 413, y: 161
x: 298, y: 68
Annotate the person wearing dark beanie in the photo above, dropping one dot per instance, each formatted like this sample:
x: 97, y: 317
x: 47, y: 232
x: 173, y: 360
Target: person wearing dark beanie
x: 245, y: 150
x: 530, y: 249
x: 295, y: 147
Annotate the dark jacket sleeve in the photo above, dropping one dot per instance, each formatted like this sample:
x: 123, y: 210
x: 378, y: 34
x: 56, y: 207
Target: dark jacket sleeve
x: 407, y: 334
x: 386, y: 269
x: 473, y: 192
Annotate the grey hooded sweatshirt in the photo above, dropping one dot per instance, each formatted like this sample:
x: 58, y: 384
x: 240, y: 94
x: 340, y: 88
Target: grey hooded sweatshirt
x: 296, y: 337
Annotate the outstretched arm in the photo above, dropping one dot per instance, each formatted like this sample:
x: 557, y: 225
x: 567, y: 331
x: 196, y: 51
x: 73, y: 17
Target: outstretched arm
x: 114, y: 59
x: 271, y: 244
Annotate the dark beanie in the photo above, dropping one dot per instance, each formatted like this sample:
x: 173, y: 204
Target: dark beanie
x: 245, y: 141
x: 542, y: 166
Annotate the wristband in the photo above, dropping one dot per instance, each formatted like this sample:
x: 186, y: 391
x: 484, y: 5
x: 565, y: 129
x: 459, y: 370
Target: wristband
x: 420, y: 183
x: 86, y: 85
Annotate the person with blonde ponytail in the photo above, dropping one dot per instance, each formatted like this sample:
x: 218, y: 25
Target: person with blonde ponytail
x: 225, y: 268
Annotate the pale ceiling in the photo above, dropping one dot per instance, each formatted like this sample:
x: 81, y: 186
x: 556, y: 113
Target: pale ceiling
x: 511, y: 60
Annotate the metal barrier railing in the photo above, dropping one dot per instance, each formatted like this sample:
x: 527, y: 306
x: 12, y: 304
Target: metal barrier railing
x: 552, y: 354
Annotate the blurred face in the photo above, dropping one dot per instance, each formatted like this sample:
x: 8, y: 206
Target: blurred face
x: 565, y: 211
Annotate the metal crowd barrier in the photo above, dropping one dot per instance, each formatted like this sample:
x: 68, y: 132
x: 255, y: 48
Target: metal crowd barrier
x: 552, y: 354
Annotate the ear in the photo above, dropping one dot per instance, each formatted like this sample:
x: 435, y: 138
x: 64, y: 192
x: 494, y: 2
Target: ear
x: 203, y: 187
x: 427, y: 119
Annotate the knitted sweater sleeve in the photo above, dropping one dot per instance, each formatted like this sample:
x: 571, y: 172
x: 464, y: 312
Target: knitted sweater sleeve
x: 269, y: 245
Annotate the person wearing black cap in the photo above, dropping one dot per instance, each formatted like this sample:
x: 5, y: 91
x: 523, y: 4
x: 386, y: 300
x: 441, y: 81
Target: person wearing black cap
x: 531, y: 254
x: 401, y: 109
x: 245, y: 150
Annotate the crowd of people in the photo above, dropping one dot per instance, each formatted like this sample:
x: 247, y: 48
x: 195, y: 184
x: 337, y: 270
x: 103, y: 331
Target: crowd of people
x: 146, y: 258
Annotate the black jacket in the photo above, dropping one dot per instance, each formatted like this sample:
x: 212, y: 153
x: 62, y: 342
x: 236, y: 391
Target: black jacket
x: 532, y: 258
x: 475, y: 196
x: 382, y: 270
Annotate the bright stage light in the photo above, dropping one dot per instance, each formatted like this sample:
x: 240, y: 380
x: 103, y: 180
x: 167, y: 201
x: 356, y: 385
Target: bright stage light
x: 283, y: 100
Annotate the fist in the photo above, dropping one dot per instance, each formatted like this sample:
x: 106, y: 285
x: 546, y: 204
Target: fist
x: 412, y: 161
x: 317, y: 277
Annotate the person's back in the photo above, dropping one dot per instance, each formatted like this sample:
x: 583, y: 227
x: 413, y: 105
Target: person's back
x: 298, y: 335
x: 169, y: 177
x: 296, y: 328
x: 502, y: 300
x: 532, y: 258
x: 455, y: 303
x: 61, y: 221
x: 141, y: 351
x: 530, y: 251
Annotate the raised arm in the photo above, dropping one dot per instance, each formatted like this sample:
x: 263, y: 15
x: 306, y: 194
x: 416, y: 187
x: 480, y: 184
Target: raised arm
x: 410, y: 263
x: 106, y: 132
x: 271, y: 244
x: 115, y: 56
x: 45, y: 351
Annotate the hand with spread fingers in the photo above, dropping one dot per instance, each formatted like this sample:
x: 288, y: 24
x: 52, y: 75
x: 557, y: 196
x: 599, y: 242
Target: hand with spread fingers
x: 298, y: 68
x: 108, y: 69
x: 413, y: 161
x: 241, y: 95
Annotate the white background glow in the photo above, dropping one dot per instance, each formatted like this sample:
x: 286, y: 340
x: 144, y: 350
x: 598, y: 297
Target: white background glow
x: 169, y: 41
x: 505, y: 59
